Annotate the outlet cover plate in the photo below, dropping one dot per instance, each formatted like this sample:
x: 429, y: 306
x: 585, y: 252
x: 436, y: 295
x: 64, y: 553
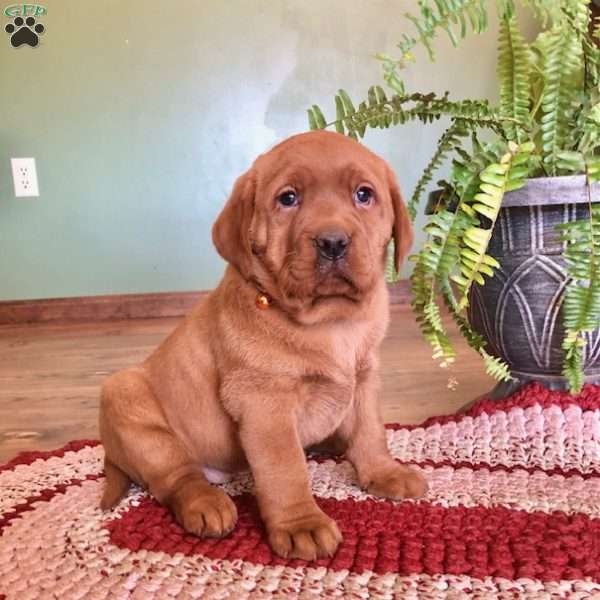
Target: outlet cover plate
x: 24, y: 177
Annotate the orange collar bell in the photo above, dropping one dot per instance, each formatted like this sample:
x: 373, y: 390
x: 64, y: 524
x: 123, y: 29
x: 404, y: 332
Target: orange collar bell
x: 263, y: 301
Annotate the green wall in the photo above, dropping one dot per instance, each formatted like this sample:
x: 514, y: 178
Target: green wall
x: 141, y: 115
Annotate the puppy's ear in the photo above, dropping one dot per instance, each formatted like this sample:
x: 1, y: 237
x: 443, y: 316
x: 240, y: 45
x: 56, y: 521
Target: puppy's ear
x: 403, y: 230
x: 231, y: 230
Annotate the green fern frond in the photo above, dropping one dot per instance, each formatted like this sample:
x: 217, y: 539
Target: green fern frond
x: 434, y: 262
x: 581, y: 306
x: 593, y: 169
x: 390, y: 66
x: 496, y: 179
x: 379, y: 111
x: 445, y: 229
x: 577, y: 13
x: 577, y: 18
x: 316, y: 120
x: 591, y: 53
x: 391, y: 275
x: 569, y: 161
x: 427, y: 312
x: 548, y: 11
x: 589, y: 128
x: 563, y: 77
x: 514, y: 64
x: 573, y: 345
x: 495, y: 367
x: 442, y: 243
x: 456, y: 240
x: 576, y: 163
x: 450, y: 140
x: 553, y: 13
x: 455, y: 17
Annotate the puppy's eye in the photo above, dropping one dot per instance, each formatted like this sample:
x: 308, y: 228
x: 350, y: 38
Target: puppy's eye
x: 288, y: 198
x: 363, y: 195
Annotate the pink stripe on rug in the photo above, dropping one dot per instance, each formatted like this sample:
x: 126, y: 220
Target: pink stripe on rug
x: 29, y: 504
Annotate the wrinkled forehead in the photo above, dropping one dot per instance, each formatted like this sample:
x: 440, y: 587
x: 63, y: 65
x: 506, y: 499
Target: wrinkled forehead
x: 307, y: 160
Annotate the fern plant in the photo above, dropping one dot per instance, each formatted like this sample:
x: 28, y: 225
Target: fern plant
x: 547, y: 123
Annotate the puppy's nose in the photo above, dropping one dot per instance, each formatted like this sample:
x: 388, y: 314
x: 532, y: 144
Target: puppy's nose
x: 332, y: 244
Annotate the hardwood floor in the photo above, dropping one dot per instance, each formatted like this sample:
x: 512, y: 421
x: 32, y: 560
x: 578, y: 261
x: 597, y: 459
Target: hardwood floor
x: 50, y: 376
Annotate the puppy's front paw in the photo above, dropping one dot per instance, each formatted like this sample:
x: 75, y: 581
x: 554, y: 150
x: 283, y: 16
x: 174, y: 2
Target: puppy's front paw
x: 397, y: 482
x: 308, y: 537
x: 211, y: 513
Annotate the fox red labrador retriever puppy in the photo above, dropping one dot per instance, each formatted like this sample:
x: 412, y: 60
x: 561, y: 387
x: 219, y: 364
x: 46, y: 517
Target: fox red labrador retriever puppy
x: 280, y: 357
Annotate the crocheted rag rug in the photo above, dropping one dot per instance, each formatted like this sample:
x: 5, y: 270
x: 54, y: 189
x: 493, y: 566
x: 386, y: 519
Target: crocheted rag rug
x: 513, y: 511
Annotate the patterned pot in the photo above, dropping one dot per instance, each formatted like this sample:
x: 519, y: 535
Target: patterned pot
x: 519, y: 310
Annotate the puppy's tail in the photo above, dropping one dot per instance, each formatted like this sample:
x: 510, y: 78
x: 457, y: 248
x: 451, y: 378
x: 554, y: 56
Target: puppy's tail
x: 116, y: 486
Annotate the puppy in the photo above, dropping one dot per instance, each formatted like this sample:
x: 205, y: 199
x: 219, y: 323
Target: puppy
x: 280, y: 357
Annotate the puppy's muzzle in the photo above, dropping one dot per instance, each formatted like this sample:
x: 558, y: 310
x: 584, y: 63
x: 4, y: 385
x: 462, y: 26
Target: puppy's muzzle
x: 332, y: 245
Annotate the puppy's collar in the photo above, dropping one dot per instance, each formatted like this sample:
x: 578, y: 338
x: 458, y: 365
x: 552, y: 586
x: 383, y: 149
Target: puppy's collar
x: 263, y: 301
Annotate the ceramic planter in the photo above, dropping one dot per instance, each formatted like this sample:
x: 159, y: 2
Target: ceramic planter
x: 519, y: 310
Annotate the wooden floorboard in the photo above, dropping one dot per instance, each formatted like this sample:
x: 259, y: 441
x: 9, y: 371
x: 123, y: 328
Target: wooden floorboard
x: 81, y: 309
x: 50, y: 376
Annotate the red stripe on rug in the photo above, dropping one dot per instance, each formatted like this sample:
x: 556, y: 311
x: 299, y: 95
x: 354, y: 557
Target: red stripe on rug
x: 566, y: 473
x: 27, y: 458
x: 404, y: 538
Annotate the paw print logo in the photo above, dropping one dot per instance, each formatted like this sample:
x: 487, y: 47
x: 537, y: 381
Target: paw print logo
x: 24, y: 31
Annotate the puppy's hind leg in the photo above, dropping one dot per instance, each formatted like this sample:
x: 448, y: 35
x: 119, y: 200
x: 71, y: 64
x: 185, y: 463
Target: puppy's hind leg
x: 140, y: 446
x: 116, y: 486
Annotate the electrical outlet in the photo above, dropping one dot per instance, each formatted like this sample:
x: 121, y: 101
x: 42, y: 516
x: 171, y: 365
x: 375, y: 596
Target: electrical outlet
x: 24, y: 177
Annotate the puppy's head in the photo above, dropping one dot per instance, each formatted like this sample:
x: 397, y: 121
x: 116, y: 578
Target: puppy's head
x: 310, y: 223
